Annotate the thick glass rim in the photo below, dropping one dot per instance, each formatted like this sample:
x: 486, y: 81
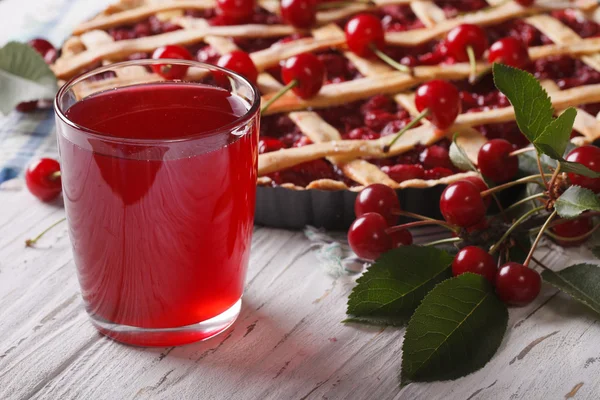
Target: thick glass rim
x: 239, y: 122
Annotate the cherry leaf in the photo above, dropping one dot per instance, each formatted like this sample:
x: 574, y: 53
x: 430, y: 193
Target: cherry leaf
x: 392, y: 288
x: 580, y: 281
x: 554, y: 139
x: 575, y: 200
x: 455, y: 331
x: 533, y: 107
x: 24, y: 76
x: 459, y: 158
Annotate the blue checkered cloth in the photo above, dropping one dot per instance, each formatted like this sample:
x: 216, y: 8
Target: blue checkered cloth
x: 27, y: 136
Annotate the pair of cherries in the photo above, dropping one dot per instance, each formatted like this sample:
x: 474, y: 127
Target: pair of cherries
x: 373, y: 233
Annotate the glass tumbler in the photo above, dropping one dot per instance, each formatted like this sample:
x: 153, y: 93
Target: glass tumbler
x: 158, y: 164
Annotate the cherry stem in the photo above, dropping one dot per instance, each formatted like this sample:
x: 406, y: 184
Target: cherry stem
x: 338, y: 4
x: 402, y: 213
x: 541, y: 264
x: 442, y: 241
x: 389, y: 60
x: 518, y: 222
x: 421, y: 223
x: 412, y: 123
x: 539, y: 164
x: 31, y: 242
x: 521, y: 151
x: 498, y: 188
x: 54, y: 176
x: 574, y: 238
x: 553, y: 179
x: 277, y: 95
x: 525, y: 200
x: 538, y: 238
x: 473, y: 64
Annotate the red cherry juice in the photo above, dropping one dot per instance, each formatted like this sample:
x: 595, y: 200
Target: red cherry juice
x: 161, y: 228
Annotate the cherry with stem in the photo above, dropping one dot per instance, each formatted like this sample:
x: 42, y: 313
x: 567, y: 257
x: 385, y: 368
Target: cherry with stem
x: 467, y: 42
x: 437, y: 100
x: 303, y: 74
x: 366, y: 38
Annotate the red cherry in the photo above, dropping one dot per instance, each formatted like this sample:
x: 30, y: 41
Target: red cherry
x: 461, y: 204
x: 441, y: 99
x: 571, y: 229
x: 367, y: 236
x: 240, y: 62
x: 475, y: 260
x: 236, y: 11
x: 168, y: 71
x: 590, y: 157
x: 463, y: 36
x: 41, y: 179
x: 481, y: 185
x: 517, y: 285
x: 363, y: 32
x: 27, y: 106
x: 266, y: 145
x: 401, y: 238
x: 307, y: 70
x: 509, y: 51
x: 435, y: 156
x: 495, y: 162
x: 45, y: 49
x: 299, y: 13
x: 380, y: 199
x: 525, y: 3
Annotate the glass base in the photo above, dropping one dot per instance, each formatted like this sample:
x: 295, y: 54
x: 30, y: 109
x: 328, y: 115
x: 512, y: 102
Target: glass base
x: 164, y: 337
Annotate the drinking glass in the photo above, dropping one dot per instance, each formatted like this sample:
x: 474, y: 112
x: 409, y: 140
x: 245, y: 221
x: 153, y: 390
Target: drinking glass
x: 159, y: 182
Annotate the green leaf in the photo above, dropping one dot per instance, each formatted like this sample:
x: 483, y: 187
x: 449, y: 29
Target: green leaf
x: 459, y: 158
x: 455, y: 331
x: 579, y: 169
x: 24, y: 76
x: 576, y: 200
x: 554, y: 139
x: 580, y: 281
x: 392, y: 288
x: 533, y: 107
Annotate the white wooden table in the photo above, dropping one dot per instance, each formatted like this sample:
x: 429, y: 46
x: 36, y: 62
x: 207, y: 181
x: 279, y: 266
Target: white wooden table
x: 288, y: 342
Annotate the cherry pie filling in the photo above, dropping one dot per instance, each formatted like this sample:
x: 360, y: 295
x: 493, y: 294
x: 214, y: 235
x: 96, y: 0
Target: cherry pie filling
x: 380, y: 115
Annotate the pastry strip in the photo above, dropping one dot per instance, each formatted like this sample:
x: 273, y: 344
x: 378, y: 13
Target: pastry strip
x: 120, y: 49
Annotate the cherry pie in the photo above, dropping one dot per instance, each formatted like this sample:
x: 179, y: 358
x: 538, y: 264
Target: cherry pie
x: 334, y: 140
